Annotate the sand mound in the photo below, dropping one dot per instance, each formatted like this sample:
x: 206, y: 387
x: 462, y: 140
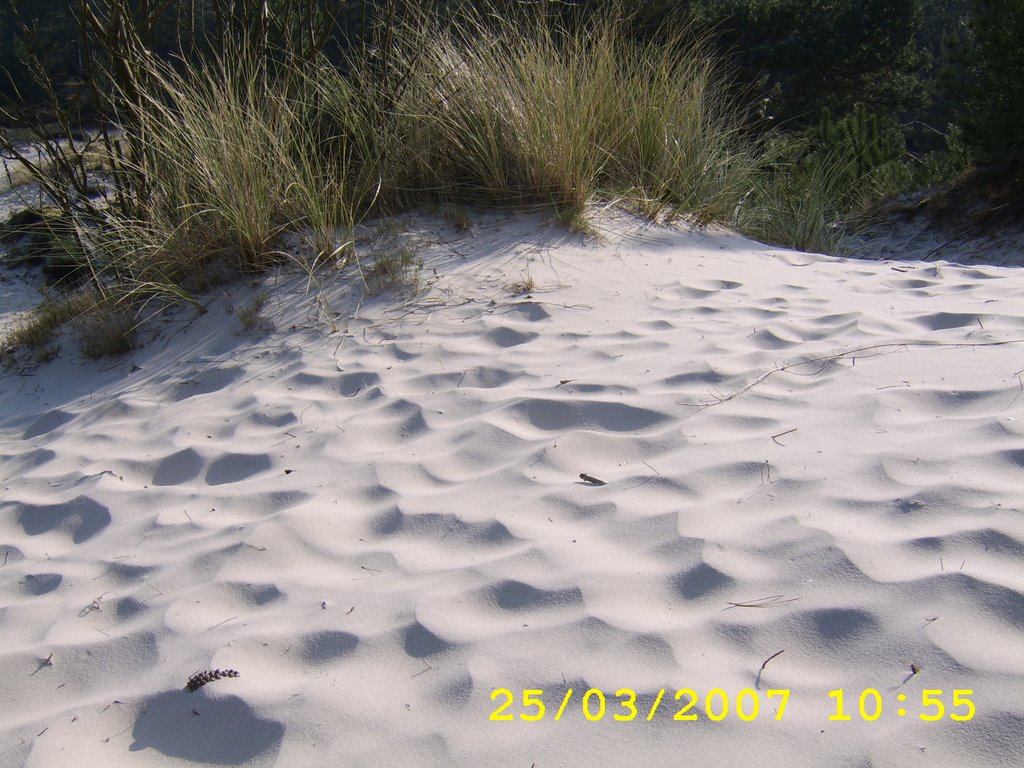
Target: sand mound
x: 812, y: 476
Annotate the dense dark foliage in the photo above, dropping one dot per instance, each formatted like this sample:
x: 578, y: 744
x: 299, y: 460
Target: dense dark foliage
x: 919, y: 67
x: 805, y: 55
x: 41, y: 28
x: 986, y: 80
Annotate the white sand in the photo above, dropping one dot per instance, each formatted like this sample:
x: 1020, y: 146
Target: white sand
x: 380, y: 526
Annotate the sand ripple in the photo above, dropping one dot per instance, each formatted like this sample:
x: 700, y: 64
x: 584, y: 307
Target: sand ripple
x: 380, y: 527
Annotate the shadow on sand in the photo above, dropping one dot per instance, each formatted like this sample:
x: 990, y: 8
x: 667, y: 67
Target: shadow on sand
x: 202, y: 729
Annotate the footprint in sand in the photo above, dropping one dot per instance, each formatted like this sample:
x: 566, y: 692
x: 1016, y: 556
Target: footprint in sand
x: 420, y: 642
x: 555, y: 415
x: 700, y: 581
x: 942, y: 321
x: 41, y: 583
x: 48, y: 422
x: 179, y: 468
x: 205, y: 383
x: 82, y: 518
x: 235, y: 467
x: 504, y: 338
x: 323, y: 647
x: 517, y: 596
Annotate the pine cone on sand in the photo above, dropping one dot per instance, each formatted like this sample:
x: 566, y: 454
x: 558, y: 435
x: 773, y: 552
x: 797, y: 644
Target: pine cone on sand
x: 199, y: 679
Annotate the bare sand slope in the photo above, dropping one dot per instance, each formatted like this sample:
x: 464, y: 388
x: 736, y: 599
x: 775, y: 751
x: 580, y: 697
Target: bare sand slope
x: 382, y: 527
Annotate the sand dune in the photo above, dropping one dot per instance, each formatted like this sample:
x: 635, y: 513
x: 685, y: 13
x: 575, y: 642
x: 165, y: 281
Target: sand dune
x: 383, y: 526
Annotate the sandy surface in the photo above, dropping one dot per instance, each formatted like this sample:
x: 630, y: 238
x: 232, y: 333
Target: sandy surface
x: 814, y: 477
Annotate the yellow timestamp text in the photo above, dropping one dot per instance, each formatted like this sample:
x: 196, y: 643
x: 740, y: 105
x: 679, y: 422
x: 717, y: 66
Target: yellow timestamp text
x: 687, y: 705
x: 934, y: 705
x: 625, y: 705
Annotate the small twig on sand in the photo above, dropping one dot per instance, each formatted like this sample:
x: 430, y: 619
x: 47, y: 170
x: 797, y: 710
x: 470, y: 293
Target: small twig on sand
x: 43, y: 664
x: 1015, y: 397
x: 780, y: 434
x: 222, y: 623
x: 779, y: 653
x: 591, y: 479
x: 915, y: 669
x: 763, y: 602
x: 757, y: 680
x: 827, y: 360
x: 20, y: 738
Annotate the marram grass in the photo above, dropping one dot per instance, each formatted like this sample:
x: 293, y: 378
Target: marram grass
x: 229, y: 156
x: 505, y: 112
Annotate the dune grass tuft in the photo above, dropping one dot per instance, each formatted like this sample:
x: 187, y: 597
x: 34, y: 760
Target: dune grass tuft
x: 517, y: 112
x: 225, y: 158
x: 38, y: 330
x: 232, y: 155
